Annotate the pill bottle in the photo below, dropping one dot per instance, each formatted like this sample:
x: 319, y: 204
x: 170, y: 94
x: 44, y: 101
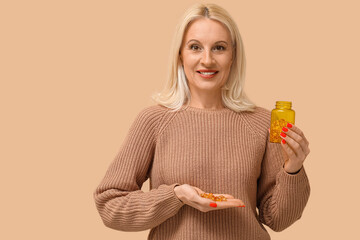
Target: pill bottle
x: 281, y: 115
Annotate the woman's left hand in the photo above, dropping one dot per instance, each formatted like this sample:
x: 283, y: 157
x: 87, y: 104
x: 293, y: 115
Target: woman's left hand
x: 295, y: 148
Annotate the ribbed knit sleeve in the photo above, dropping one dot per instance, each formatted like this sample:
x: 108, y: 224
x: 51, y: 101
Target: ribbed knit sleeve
x: 281, y: 197
x: 119, y: 199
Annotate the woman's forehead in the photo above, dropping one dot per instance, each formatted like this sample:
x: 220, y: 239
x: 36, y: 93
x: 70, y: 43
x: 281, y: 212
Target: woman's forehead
x: 207, y: 30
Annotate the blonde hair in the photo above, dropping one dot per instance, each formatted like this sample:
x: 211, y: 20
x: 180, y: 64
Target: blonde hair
x: 176, y: 92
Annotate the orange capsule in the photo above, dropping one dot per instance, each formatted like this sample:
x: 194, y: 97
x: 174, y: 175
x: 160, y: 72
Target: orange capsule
x: 213, y: 197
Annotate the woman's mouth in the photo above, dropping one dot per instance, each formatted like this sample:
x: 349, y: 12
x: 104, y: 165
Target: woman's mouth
x: 207, y: 74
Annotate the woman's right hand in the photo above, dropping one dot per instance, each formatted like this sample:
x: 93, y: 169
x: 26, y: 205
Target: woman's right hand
x: 190, y: 195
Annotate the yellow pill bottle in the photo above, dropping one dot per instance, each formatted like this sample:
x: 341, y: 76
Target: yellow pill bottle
x: 281, y: 115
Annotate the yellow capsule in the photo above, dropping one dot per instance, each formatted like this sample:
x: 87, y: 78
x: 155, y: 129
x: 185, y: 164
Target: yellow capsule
x: 213, y: 197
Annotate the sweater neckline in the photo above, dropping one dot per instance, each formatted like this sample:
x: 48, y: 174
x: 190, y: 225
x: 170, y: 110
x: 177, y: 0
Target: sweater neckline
x: 205, y: 110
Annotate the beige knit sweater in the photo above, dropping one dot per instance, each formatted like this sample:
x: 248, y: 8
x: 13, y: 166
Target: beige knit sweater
x: 218, y: 151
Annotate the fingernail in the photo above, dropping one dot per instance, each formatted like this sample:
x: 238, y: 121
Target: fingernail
x: 289, y: 125
x: 285, y: 129
x: 213, y: 204
x: 283, y: 141
x: 241, y: 206
x: 283, y: 134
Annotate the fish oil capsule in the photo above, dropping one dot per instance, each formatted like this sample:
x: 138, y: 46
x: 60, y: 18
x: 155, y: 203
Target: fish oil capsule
x: 281, y: 115
x: 213, y: 197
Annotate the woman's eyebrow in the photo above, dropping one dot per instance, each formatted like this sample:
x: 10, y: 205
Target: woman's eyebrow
x: 214, y: 43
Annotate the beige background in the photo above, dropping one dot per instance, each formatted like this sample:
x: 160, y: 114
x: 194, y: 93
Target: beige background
x: 74, y: 74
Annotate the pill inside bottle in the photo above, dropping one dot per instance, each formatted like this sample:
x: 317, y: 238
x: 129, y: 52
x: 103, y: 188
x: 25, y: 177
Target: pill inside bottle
x: 281, y: 115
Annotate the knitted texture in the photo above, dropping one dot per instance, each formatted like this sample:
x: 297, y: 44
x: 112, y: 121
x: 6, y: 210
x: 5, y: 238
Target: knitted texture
x: 218, y: 151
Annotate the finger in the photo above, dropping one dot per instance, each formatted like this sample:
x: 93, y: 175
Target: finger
x: 290, y: 147
x: 296, y: 129
x: 235, y: 202
x: 212, y: 205
x: 296, y: 137
x: 229, y: 203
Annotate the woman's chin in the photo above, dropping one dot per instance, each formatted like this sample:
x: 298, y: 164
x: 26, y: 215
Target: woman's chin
x: 207, y: 87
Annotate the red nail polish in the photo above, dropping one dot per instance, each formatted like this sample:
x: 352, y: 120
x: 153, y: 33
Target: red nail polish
x: 289, y: 125
x: 241, y: 206
x: 283, y: 141
x: 213, y: 204
x: 283, y: 134
x: 285, y: 129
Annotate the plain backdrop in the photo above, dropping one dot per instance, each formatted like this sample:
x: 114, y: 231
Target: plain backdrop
x: 74, y: 74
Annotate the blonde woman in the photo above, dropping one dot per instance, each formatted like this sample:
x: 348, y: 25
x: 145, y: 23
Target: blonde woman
x: 205, y: 136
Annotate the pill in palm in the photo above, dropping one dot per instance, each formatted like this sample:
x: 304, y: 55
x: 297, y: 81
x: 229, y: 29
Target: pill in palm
x: 213, y: 197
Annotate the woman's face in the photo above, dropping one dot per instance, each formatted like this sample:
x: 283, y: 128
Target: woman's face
x: 206, y: 47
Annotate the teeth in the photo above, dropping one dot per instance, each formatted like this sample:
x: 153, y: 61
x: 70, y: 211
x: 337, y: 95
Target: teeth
x: 207, y: 73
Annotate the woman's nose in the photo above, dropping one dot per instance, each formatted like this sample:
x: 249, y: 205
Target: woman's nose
x: 207, y: 58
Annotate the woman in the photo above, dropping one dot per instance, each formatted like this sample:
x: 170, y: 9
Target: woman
x: 205, y: 135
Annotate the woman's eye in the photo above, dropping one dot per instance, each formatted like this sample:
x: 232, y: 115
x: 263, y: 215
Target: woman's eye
x: 217, y: 48
x: 194, y: 47
x: 220, y: 48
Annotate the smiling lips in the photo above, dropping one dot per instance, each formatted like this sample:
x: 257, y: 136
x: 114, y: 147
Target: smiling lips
x: 205, y: 73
